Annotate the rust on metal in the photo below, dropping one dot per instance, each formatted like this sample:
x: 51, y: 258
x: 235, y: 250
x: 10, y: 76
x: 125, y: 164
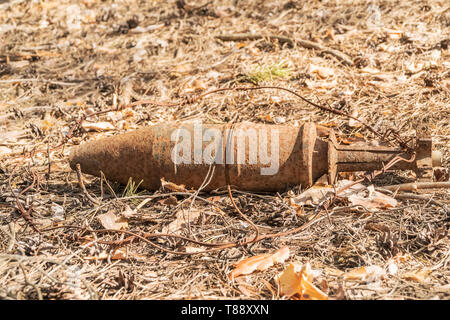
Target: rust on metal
x: 297, y: 155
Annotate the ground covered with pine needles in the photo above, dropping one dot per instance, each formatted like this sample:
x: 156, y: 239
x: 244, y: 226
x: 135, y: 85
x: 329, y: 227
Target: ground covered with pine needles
x: 60, y: 60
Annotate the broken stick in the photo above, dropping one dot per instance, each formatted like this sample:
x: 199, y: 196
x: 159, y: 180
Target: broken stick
x: 417, y: 185
x: 303, y: 43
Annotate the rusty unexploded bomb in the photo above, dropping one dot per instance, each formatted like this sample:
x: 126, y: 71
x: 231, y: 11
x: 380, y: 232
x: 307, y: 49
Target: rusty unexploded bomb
x: 249, y: 156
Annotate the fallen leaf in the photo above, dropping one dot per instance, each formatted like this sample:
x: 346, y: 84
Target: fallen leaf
x: 245, y: 288
x: 368, y: 274
x: 418, y: 276
x: 57, y: 211
x: 352, y: 122
x: 289, y: 281
x: 318, y: 193
x: 172, y: 186
x: 329, y: 34
x: 298, y: 285
x: 214, y: 198
x: 98, y: 126
x: 329, y: 124
x: 181, y: 220
x: 110, y: 221
x: 193, y: 249
x: 311, y: 196
x: 400, y: 258
x: 333, y: 272
x: 260, y: 262
x: 128, y: 212
x: 376, y: 200
x: 171, y: 200
x: 322, y: 72
x: 199, y: 85
x: 298, y: 208
x: 196, y: 85
x: 274, y: 99
x: 182, y: 69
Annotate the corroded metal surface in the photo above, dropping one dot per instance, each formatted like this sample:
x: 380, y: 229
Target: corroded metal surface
x: 146, y: 154
x: 300, y: 155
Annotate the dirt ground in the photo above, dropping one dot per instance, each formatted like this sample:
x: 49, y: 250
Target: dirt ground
x: 60, y: 60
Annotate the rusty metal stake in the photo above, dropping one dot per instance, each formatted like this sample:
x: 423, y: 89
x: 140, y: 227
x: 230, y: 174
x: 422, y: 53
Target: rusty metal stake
x: 252, y: 157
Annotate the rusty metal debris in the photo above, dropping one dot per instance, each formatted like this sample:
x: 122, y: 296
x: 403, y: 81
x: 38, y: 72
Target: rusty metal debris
x: 245, y: 155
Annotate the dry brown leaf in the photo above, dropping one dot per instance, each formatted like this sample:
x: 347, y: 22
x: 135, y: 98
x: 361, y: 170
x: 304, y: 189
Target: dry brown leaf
x: 298, y: 208
x: 196, y: 85
x: 298, y: 285
x: 260, y: 262
x: 199, y: 85
x: 110, y: 221
x: 245, y: 288
x: 172, y: 186
x: 181, y: 221
x: 289, y: 281
x: 318, y: 192
x: 214, y: 198
x: 352, y: 122
x: 418, y: 276
x: 182, y: 69
x: 376, y: 200
x: 322, y: 72
x: 368, y: 274
x: 333, y: 272
x: 279, y: 120
x: 330, y: 124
